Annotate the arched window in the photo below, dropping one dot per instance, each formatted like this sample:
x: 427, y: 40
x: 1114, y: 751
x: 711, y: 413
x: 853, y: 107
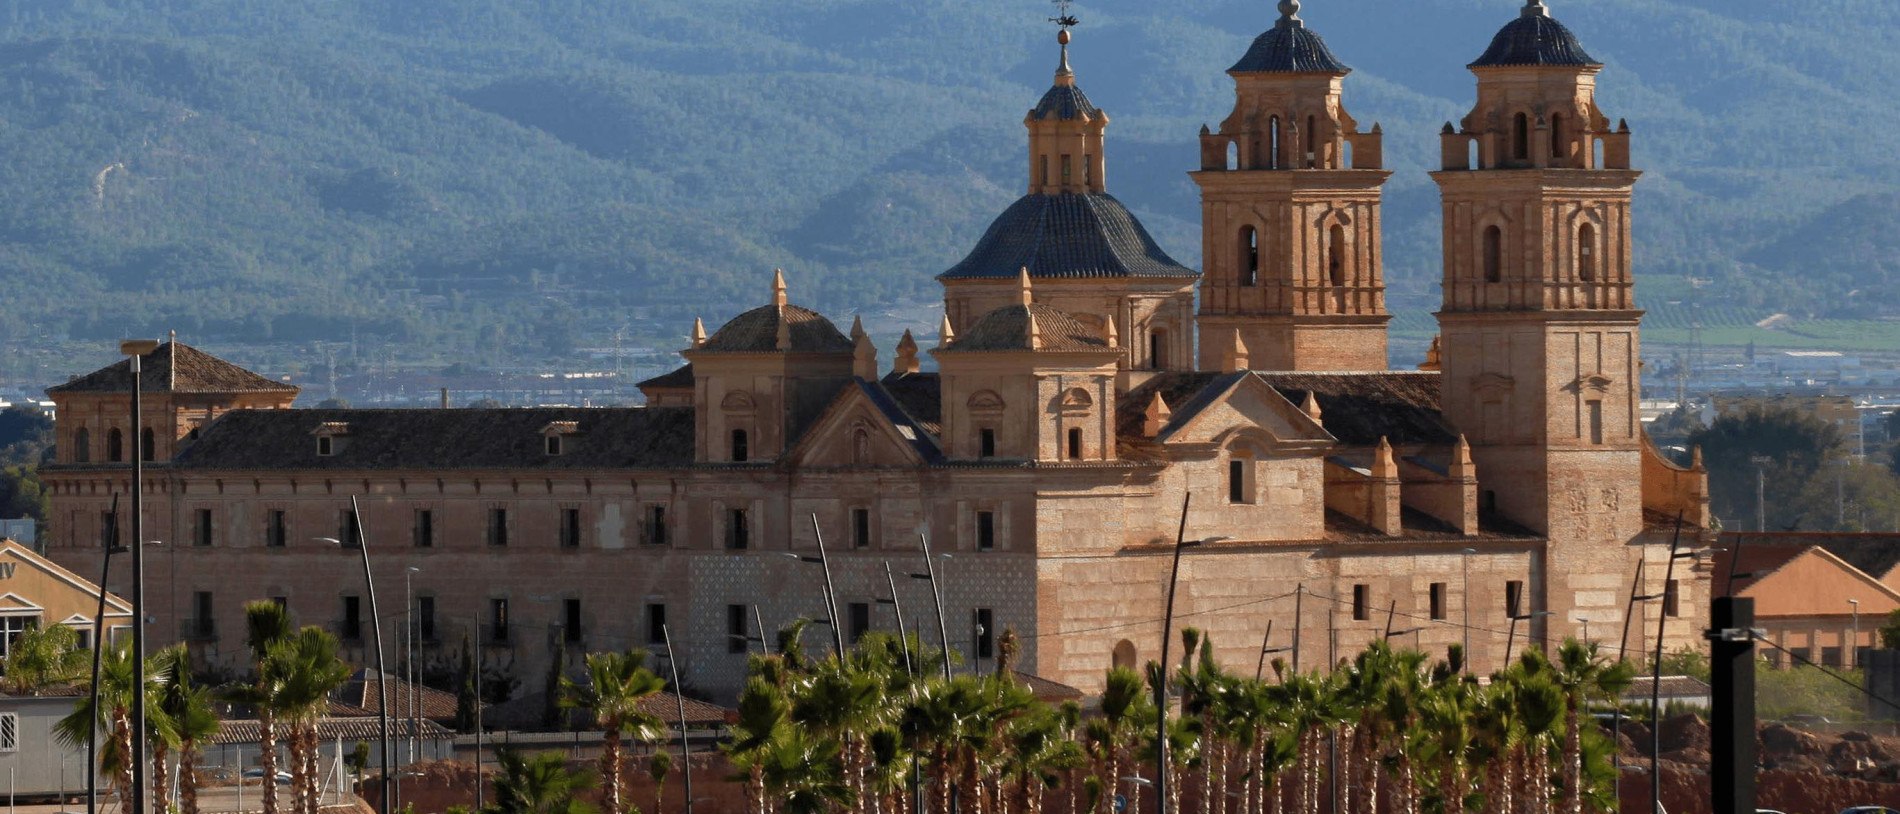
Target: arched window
x: 82, y: 446
x: 1075, y: 443
x: 1336, y: 255
x: 115, y: 445
x: 1233, y: 155
x: 1249, y: 256
x: 1586, y: 253
x: 1557, y: 136
x: 740, y: 452
x: 146, y: 444
x: 1493, y: 254
x: 1345, y: 158
x: 1273, y: 149
x: 1312, y: 139
x: 1520, y: 137
x: 1125, y: 654
x: 1157, y: 349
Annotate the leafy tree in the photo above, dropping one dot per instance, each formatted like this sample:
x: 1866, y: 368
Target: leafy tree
x: 1890, y: 632
x: 45, y: 657
x: 1795, y: 446
x: 617, y: 684
x: 186, y: 707
x: 22, y: 494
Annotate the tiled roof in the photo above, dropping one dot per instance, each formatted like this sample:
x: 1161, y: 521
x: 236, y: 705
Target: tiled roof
x: 921, y: 397
x: 1534, y: 38
x: 1007, y: 328
x: 1288, y: 47
x: 756, y: 331
x: 1044, y: 689
x: 446, y: 439
x: 678, y: 377
x: 333, y: 729
x: 1067, y: 235
x: 1759, y: 560
x: 1357, y: 408
x: 524, y: 712
x: 1064, y: 103
x: 1420, y: 527
x: 364, y: 691
x: 922, y: 439
x: 176, y: 368
x: 1361, y: 408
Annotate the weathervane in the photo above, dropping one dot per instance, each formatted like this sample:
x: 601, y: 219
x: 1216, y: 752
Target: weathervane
x: 1063, y: 17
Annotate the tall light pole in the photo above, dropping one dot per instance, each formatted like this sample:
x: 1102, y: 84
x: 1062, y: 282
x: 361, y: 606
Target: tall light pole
x: 376, y: 627
x: 136, y: 350
x: 98, y: 634
x: 936, y: 596
x: 1761, y: 463
x: 1464, y: 599
x: 1853, y: 647
x: 1586, y: 629
x: 1511, y: 638
x: 411, y: 629
x: 1161, y: 680
x: 679, y: 703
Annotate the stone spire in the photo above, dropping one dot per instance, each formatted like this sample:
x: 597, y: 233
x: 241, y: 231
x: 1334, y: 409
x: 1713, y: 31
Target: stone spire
x: 863, y: 353
x: 945, y: 335
x: 1384, y: 465
x: 1237, y: 360
x: 1461, y: 467
x: 1024, y: 295
x: 1155, y: 417
x: 906, y: 361
x: 778, y: 287
x: 1035, y: 332
x: 1113, y: 336
x: 699, y: 332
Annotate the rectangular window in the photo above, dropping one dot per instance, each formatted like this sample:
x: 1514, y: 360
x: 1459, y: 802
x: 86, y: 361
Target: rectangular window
x: 1830, y: 657
x: 1438, y: 600
x: 570, y: 528
x: 985, y: 531
x: 351, y: 628
x: 1361, y: 595
x: 201, y: 623
x: 425, y: 528
x: 1068, y: 169
x: 1596, y: 422
x: 1043, y: 166
x: 860, y: 620
x: 985, y: 630
x: 1237, y: 481
x: 861, y: 528
x: 1514, y: 599
x: 656, y: 624
x: 203, y: 537
x: 554, y: 445
x: 1801, y: 656
x: 425, y: 618
x: 735, y: 629
x: 326, y: 446
x: 498, y: 620
x: 571, y: 621
x: 986, y: 443
x: 1075, y: 443
x: 498, y: 527
x: 275, y: 535
x: 349, y: 529
x: 738, y: 530
x: 1672, y: 598
x: 10, y: 629
x: 9, y: 732
x: 656, y: 525
x: 1088, y: 169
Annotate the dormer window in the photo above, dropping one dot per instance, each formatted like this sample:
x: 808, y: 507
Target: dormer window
x: 330, y: 437
x: 555, y: 436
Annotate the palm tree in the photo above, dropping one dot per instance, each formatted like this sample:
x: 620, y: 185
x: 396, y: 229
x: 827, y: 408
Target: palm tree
x: 306, y: 670
x: 266, y: 628
x: 1584, y: 677
x: 844, y: 704
x: 117, y: 680
x: 764, y: 718
x: 1444, y: 737
x: 616, y: 685
x: 658, y: 766
x: 1125, y: 704
x: 44, y: 657
x: 806, y: 773
x: 188, y: 708
x: 537, y: 784
x: 1539, y: 704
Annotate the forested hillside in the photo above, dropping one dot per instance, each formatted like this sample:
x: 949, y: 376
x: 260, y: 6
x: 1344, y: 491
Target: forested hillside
x: 452, y: 174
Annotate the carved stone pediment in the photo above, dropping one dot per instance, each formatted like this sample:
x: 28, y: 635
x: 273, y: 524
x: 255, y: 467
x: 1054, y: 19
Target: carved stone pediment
x: 738, y: 401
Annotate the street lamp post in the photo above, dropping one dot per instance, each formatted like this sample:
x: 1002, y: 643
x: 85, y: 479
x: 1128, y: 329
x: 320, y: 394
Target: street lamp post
x: 1161, y: 680
x: 412, y: 628
x: 1586, y: 629
x: 936, y: 596
x: 136, y: 350
x: 98, y: 636
x: 376, y: 628
x: 831, y: 596
x: 679, y: 704
x: 1511, y: 637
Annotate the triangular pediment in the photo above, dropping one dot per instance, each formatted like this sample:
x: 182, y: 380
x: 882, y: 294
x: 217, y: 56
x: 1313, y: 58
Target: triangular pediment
x: 858, y: 430
x: 1242, y: 404
x: 15, y: 603
x: 13, y: 555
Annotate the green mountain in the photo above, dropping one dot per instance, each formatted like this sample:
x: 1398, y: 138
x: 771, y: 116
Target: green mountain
x: 531, y: 175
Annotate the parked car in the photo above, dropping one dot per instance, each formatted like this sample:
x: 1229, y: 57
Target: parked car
x: 257, y: 775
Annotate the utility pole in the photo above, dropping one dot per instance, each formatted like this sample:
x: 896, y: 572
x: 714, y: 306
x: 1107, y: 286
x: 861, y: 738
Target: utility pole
x: 1732, y: 724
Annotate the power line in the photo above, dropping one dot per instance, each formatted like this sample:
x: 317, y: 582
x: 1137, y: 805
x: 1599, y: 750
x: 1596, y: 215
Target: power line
x: 1829, y: 673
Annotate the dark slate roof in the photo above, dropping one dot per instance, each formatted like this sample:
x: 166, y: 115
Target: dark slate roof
x: 176, y: 368
x: 922, y: 439
x: 445, y: 439
x: 1065, y: 103
x: 756, y: 331
x: 1289, y: 47
x: 1067, y: 235
x: 1361, y: 408
x: 680, y: 377
x: 1534, y: 38
x: 920, y: 395
x: 1357, y: 408
x: 1007, y: 329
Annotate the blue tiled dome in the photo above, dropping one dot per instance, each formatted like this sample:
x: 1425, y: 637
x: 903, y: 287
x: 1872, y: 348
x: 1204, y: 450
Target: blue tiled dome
x: 1069, y: 234
x: 1289, y: 47
x: 1534, y: 38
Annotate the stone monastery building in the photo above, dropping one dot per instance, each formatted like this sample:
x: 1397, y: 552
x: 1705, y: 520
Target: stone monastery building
x: 1495, y: 498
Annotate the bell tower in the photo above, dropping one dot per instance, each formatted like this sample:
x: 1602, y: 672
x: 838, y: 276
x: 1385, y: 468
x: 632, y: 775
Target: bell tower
x: 1290, y: 200
x: 1539, y: 329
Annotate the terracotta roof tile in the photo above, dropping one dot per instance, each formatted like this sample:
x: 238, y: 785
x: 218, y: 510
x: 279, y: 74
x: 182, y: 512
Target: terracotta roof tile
x: 245, y: 731
x: 364, y: 691
x: 177, y: 368
x: 1007, y: 329
x: 756, y: 331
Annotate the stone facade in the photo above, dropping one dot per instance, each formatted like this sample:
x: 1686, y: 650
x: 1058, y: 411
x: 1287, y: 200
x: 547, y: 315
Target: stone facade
x: 1493, y: 502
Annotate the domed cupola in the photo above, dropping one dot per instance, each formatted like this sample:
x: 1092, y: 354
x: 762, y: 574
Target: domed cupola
x: 1534, y: 38
x: 1289, y: 47
x: 1102, y: 264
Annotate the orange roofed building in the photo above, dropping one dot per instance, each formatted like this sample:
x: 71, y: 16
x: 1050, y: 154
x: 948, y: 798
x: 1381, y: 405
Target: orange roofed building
x: 1079, y: 401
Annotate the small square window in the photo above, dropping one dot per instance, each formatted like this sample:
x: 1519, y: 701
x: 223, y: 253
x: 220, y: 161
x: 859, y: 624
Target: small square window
x: 554, y: 445
x: 9, y: 732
